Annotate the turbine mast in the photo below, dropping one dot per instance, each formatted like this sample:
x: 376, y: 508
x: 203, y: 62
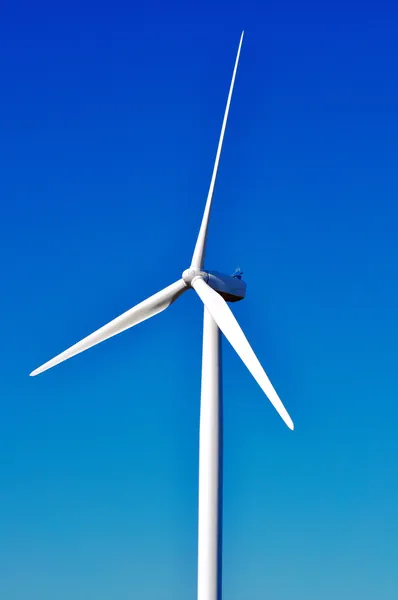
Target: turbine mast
x: 210, y: 465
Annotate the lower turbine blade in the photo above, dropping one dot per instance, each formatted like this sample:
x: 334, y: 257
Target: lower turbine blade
x: 146, y: 309
x: 230, y: 327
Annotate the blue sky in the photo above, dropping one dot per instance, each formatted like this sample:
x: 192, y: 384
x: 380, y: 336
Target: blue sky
x: 110, y: 117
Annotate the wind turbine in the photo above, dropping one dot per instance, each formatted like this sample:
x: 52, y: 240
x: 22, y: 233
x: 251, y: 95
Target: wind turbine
x: 215, y: 290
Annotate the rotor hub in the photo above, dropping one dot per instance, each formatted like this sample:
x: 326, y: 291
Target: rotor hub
x: 190, y: 274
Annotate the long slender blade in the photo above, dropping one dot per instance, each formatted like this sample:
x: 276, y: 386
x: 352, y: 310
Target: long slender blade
x: 143, y: 311
x: 198, y: 255
x: 230, y: 327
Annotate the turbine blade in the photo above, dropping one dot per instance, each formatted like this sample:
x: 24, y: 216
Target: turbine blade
x: 198, y: 255
x: 230, y: 327
x: 146, y: 309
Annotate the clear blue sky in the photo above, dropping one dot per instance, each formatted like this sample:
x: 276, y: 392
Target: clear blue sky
x: 109, y: 122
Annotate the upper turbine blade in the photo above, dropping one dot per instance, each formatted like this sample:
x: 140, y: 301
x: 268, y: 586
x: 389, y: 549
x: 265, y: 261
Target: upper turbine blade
x: 198, y: 255
x: 146, y: 309
x: 226, y: 321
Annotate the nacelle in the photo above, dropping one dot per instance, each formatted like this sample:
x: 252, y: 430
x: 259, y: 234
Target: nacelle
x: 232, y: 289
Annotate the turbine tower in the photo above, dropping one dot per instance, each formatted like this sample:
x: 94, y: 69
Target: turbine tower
x: 215, y: 290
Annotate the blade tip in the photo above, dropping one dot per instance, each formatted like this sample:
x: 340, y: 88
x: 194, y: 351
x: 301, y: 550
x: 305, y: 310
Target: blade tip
x: 36, y: 372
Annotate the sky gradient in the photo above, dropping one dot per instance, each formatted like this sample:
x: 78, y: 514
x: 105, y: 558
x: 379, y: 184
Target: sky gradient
x: 110, y: 117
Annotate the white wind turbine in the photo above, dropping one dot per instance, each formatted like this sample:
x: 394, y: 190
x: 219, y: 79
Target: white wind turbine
x: 214, y: 289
